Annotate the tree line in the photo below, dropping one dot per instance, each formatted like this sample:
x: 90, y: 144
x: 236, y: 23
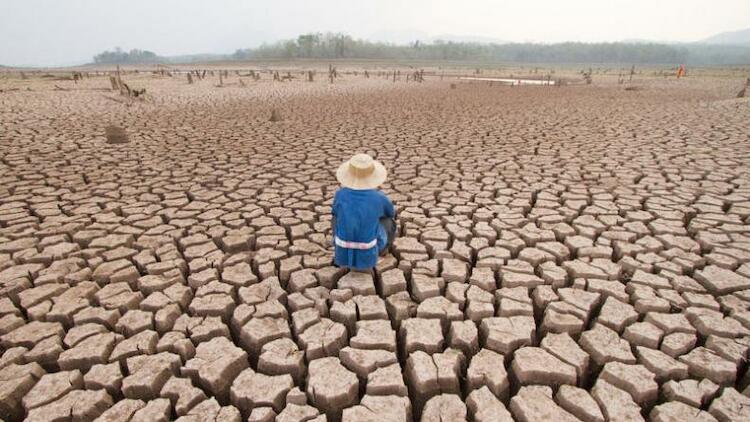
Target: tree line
x: 119, y: 56
x: 337, y: 46
x: 342, y: 46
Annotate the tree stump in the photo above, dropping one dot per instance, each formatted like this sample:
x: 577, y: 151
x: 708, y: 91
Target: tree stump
x: 275, y: 116
x: 190, y: 78
x: 116, y: 135
x: 119, y: 81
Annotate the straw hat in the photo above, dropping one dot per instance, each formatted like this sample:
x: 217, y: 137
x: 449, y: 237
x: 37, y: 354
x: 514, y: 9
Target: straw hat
x: 361, y: 172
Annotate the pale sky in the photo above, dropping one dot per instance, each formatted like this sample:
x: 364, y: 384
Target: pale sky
x: 65, y: 32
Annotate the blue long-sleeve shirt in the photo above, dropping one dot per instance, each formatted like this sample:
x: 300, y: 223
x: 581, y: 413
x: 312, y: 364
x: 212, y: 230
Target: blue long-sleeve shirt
x: 358, y: 214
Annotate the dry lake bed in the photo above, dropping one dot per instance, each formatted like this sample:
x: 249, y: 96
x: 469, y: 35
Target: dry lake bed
x: 568, y: 252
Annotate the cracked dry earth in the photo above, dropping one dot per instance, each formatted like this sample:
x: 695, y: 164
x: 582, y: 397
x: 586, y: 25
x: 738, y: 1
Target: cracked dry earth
x: 575, y: 253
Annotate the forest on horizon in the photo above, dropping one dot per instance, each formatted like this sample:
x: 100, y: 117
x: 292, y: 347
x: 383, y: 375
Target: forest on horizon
x: 342, y: 46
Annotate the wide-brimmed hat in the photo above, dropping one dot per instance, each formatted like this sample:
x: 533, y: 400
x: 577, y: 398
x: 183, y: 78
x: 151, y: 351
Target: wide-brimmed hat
x: 361, y: 172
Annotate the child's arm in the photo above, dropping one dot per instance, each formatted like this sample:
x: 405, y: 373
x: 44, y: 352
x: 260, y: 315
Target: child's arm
x: 388, y: 208
x: 335, y: 201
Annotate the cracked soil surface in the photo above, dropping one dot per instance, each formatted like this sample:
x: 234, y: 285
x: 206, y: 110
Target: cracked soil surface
x: 576, y: 253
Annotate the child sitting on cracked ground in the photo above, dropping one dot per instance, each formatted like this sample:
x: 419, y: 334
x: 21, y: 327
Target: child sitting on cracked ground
x: 363, y: 223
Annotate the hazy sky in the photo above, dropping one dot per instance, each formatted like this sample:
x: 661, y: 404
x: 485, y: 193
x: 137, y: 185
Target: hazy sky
x: 59, y: 32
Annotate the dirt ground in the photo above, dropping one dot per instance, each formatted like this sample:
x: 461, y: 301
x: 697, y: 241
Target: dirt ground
x: 572, y: 253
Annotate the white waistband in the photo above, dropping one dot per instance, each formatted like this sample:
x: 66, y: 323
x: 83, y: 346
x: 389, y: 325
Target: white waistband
x: 354, y: 245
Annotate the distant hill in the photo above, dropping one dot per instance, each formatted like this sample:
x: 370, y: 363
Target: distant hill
x: 741, y: 37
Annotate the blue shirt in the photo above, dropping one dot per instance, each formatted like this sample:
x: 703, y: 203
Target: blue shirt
x: 358, y: 214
